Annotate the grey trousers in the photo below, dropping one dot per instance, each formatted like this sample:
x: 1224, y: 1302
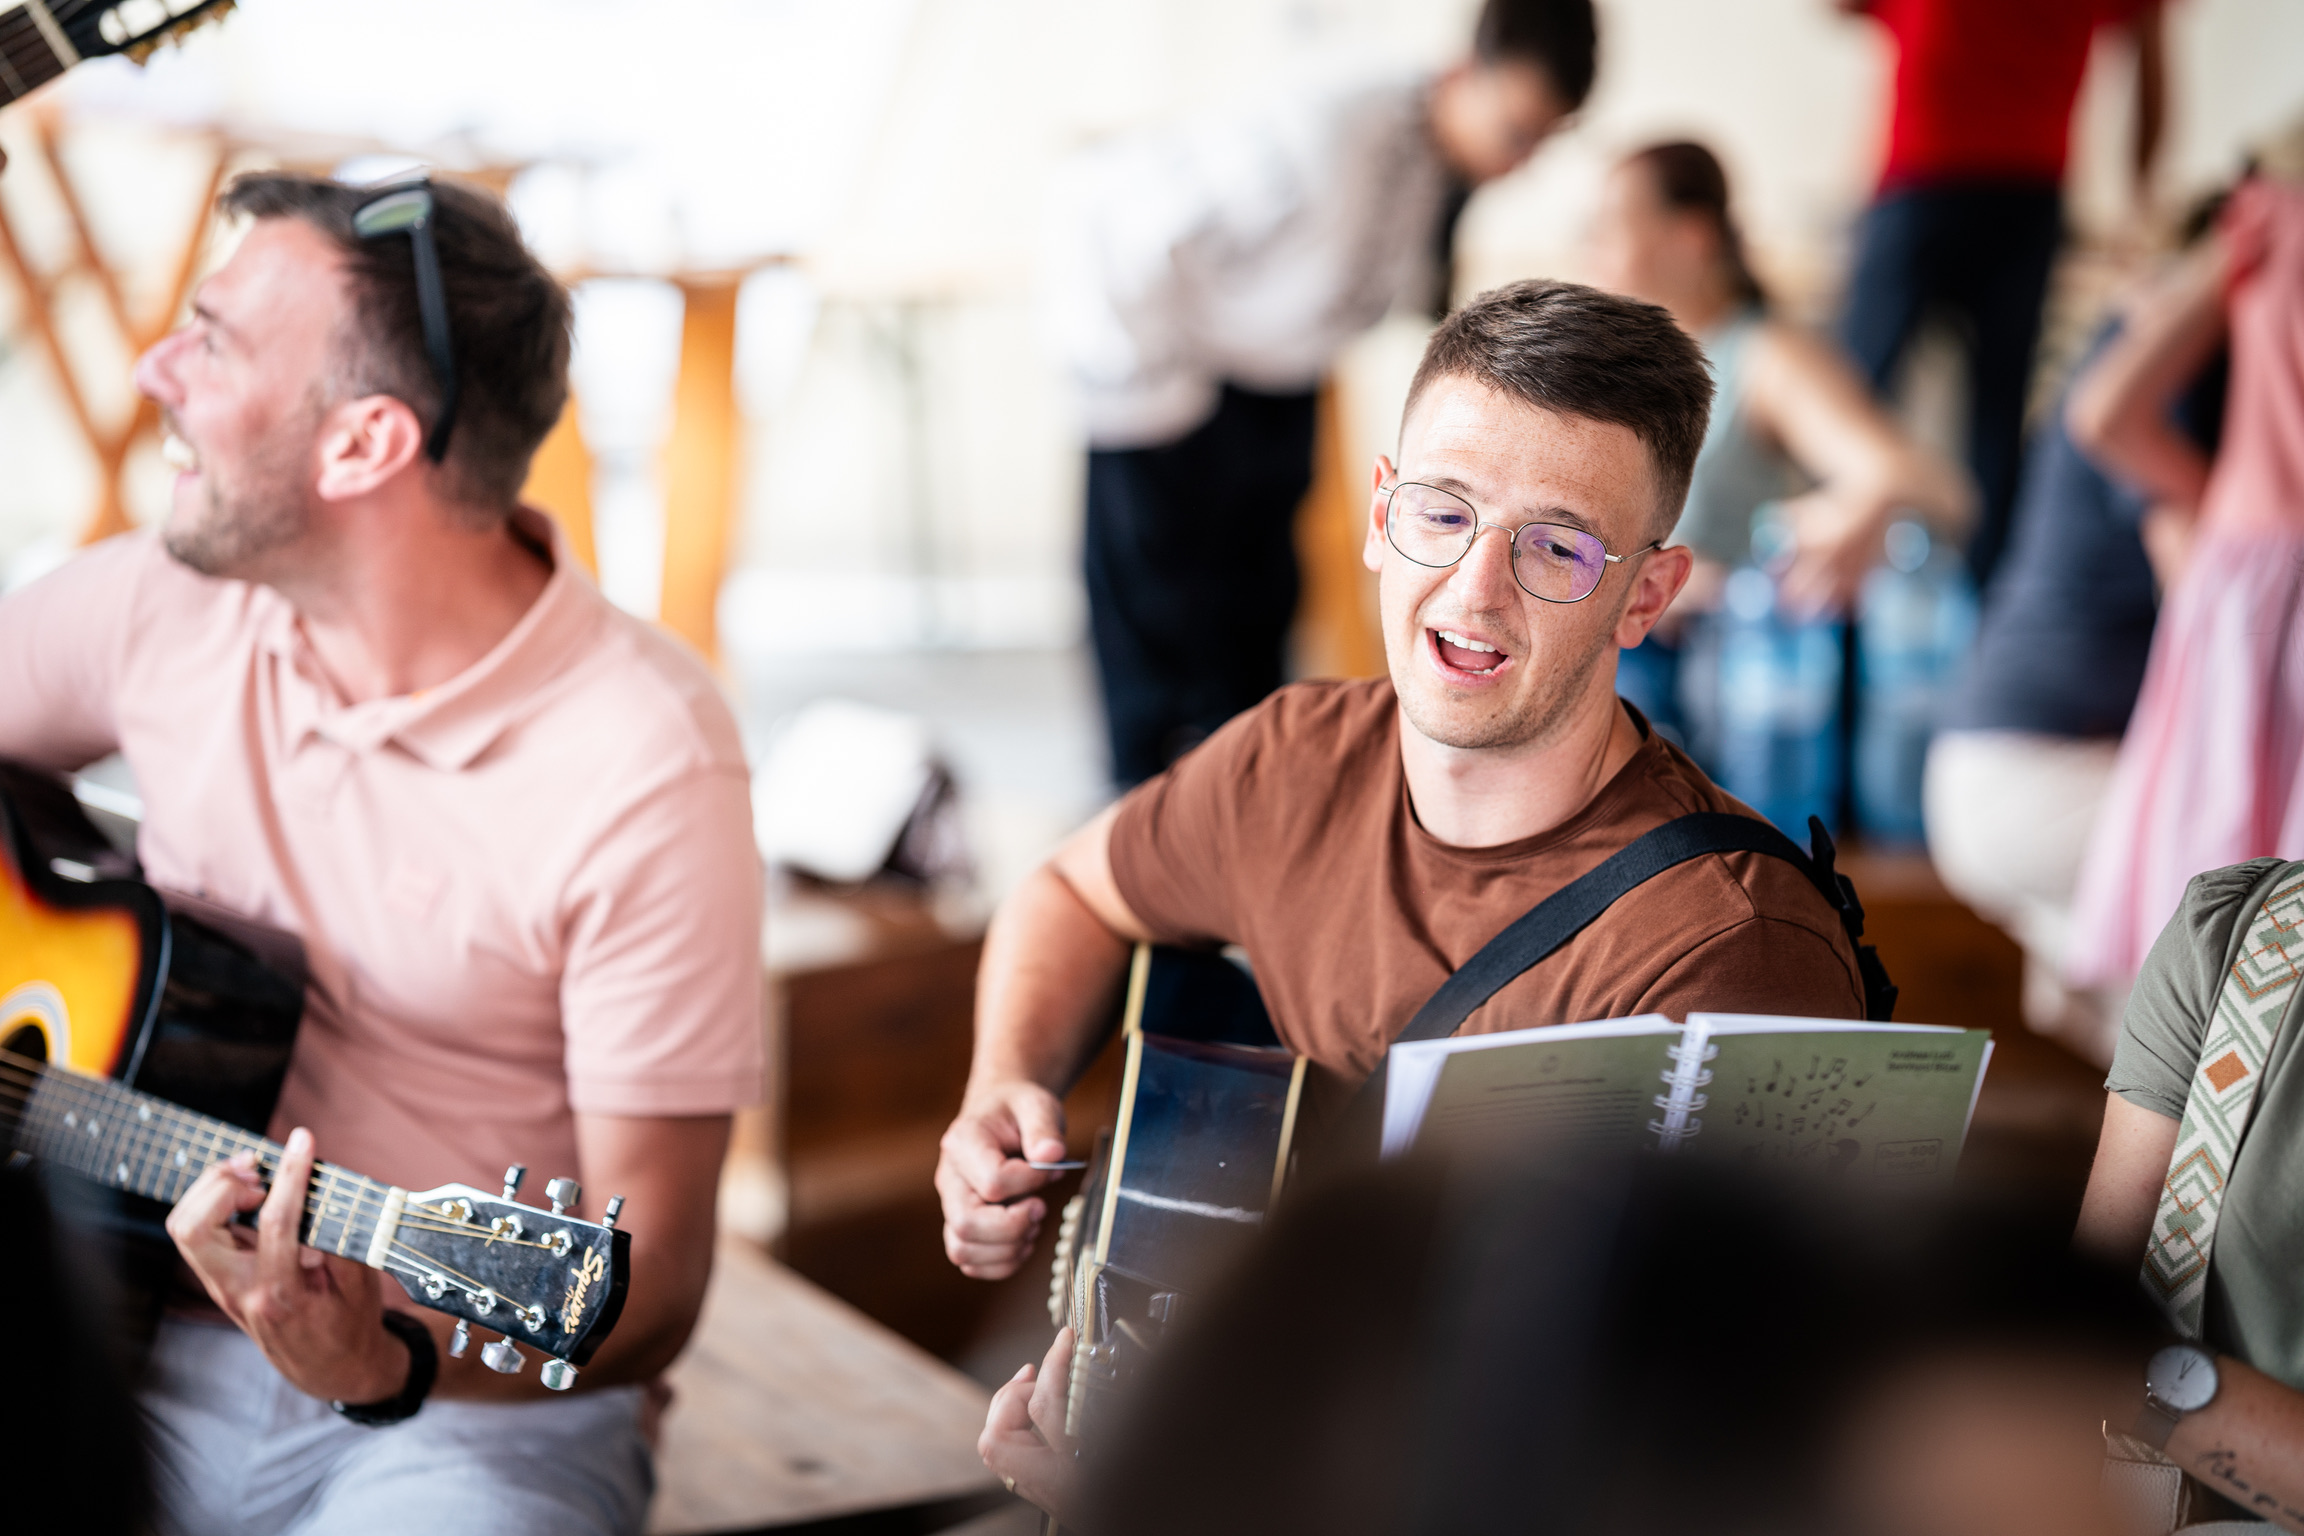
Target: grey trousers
x: 238, y: 1452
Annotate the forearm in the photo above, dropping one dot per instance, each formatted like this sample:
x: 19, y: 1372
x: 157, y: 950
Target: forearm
x: 2248, y: 1444
x: 1044, y: 990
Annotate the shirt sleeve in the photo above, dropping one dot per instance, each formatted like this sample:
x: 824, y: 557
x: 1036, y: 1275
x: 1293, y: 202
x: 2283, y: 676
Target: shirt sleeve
x: 2175, y: 992
x: 63, y: 640
x: 1761, y: 965
x: 660, y: 995
x: 1177, y: 838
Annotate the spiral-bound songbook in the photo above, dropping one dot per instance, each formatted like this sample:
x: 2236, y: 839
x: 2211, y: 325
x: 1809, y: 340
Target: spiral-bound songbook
x: 1873, y: 1102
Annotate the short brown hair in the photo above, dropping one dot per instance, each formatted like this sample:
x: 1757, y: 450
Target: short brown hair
x: 508, y: 320
x: 1580, y: 352
x: 1560, y: 37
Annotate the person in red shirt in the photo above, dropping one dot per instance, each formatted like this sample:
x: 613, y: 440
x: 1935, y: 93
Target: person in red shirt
x: 1969, y: 209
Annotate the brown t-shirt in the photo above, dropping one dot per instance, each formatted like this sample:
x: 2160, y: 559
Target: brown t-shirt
x: 1289, y: 832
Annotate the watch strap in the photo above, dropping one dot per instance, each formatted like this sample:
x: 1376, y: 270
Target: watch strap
x: 2156, y: 1422
x: 423, y: 1370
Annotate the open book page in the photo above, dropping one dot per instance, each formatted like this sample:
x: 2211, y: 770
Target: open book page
x: 1877, y: 1103
x: 1575, y: 1085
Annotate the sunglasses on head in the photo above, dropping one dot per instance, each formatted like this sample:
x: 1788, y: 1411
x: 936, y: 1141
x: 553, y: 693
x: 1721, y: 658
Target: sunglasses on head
x: 406, y: 209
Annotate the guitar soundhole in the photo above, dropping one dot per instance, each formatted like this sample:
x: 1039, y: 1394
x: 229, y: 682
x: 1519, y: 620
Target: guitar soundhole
x: 27, y: 1040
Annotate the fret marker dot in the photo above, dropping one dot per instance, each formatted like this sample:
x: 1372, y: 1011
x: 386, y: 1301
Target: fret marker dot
x: 180, y: 1157
x: 143, y: 1111
x: 121, y: 1173
x: 94, y: 1126
x: 71, y: 1120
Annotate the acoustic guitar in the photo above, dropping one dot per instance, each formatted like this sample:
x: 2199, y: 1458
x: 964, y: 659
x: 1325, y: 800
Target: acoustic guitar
x: 1183, y: 1180
x: 40, y: 39
x: 143, y: 1038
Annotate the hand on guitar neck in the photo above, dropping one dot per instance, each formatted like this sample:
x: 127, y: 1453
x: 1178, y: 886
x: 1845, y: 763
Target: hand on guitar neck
x: 318, y: 1318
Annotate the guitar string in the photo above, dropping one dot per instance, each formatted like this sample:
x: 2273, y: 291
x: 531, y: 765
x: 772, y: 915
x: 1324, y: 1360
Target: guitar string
x: 360, y: 1195
x: 366, y: 1198
x: 328, y: 1187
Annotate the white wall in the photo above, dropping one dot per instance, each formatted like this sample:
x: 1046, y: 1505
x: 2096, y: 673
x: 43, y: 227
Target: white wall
x: 910, y: 475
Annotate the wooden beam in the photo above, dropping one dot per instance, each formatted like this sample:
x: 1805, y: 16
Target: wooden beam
x: 700, y: 463
x: 560, y: 484
x: 1337, y: 630
x: 109, y: 444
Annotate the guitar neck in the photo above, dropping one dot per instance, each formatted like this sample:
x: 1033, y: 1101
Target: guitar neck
x: 29, y: 56
x: 150, y: 1147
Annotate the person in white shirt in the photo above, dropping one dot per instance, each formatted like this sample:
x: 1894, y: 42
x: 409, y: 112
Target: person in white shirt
x: 1201, y: 281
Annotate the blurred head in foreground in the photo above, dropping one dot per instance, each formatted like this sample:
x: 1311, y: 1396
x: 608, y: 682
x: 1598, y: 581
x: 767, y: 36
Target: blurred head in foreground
x: 1531, y: 65
x: 1659, y: 1348
x: 303, y: 385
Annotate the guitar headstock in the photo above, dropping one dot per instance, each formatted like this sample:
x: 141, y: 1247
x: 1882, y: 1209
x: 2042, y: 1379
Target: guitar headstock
x: 538, y: 1277
x: 133, y: 27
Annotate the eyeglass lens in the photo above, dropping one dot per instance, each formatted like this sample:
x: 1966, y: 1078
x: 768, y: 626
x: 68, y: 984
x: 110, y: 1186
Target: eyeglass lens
x: 1550, y: 560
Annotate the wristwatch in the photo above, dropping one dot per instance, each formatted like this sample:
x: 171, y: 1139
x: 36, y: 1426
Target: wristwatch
x: 423, y: 1370
x: 2180, y: 1379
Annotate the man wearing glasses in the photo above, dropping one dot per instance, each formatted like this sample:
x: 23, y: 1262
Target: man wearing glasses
x: 1363, y: 839
x: 370, y: 699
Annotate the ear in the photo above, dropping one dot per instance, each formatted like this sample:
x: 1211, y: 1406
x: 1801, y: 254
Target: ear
x: 364, y: 443
x: 1372, y: 552
x: 1661, y: 575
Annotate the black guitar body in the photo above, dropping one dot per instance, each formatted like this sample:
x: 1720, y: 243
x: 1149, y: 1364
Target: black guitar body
x: 220, y: 1003
x: 1182, y: 1183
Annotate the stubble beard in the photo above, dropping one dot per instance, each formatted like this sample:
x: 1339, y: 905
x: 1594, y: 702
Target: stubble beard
x: 1538, y: 717
x: 242, y: 523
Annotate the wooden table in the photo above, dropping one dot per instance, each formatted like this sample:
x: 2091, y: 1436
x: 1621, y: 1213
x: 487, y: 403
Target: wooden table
x: 790, y: 1405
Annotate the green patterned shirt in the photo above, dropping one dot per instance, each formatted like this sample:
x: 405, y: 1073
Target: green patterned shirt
x: 2255, y: 1302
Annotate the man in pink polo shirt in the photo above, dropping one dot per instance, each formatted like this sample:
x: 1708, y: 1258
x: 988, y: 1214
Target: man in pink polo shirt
x: 369, y: 699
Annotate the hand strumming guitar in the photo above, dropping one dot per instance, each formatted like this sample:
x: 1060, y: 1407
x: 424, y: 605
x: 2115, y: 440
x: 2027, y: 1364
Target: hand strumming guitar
x: 985, y: 1174
x: 1053, y: 960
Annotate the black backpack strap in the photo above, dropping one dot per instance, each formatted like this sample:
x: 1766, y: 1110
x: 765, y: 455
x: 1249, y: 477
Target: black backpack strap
x: 1568, y: 911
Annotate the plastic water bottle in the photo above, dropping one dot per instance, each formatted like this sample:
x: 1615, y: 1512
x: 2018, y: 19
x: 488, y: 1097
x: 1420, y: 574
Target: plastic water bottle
x: 1777, y: 742
x: 1915, y: 621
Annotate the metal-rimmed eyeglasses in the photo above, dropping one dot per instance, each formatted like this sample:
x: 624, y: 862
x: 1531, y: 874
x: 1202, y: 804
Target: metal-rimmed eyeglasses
x: 1552, y: 562
x: 405, y: 208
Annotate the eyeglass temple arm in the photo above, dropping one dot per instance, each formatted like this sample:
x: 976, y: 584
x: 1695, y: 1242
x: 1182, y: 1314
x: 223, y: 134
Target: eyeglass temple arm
x: 432, y: 306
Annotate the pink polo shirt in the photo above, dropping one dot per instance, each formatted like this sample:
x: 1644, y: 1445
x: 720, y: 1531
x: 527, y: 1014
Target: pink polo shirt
x: 527, y: 893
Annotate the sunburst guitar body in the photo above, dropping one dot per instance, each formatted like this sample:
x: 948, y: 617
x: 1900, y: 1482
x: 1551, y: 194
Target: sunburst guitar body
x: 144, y: 1037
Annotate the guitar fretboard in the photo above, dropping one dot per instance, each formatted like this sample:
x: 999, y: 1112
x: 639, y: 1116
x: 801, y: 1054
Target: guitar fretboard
x: 28, y: 59
x: 133, y: 1141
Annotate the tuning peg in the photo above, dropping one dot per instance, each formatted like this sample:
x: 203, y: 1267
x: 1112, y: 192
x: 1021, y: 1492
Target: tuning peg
x: 460, y: 1340
x: 502, y: 1356
x: 559, y: 1375
x: 563, y: 1193
x: 615, y: 1209
x: 512, y: 1177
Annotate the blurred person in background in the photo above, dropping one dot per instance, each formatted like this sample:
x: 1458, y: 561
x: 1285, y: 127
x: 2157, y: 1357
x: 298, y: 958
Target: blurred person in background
x: 1970, y: 206
x: 1638, y: 1351
x: 2211, y: 770
x: 1792, y: 422
x: 2197, y: 1188
x: 2020, y: 766
x: 1203, y: 280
